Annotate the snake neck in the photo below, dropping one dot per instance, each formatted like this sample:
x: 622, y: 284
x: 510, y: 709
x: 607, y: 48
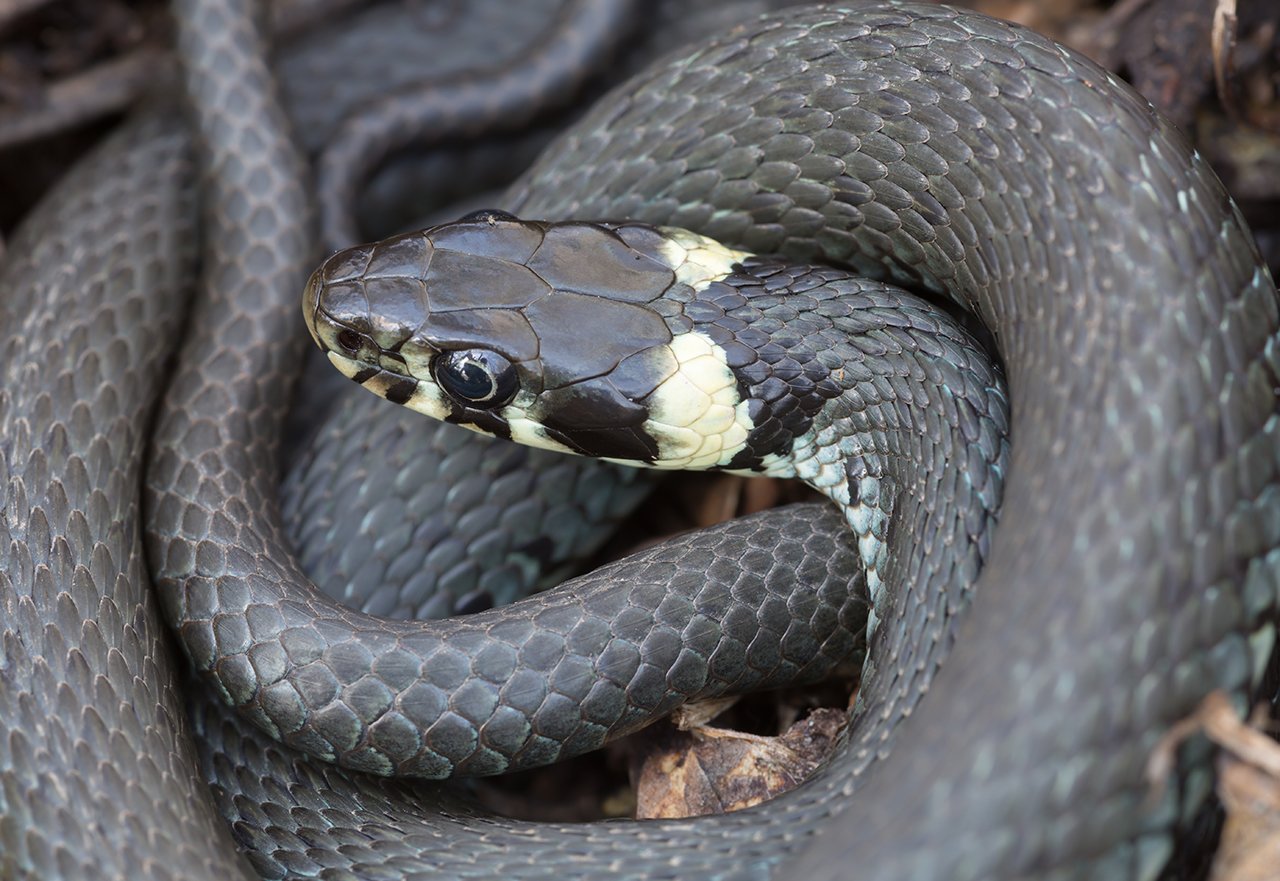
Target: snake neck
x: 875, y: 398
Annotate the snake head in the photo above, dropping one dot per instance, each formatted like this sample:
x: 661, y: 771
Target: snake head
x: 568, y: 336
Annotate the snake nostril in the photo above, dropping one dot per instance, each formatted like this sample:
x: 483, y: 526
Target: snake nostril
x: 348, y: 340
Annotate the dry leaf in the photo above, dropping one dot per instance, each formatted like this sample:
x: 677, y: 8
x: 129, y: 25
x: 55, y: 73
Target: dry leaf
x: 1248, y: 784
x: 714, y: 771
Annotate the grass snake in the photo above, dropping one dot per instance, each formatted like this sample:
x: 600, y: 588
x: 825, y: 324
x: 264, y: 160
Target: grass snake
x: 964, y: 158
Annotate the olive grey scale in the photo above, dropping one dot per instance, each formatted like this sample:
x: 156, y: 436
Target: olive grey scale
x: 98, y: 771
x: 395, y: 47
x: 582, y: 34
x: 403, y: 522
x: 297, y: 817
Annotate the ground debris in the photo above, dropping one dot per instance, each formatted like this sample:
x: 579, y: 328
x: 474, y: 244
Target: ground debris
x: 1167, y: 50
x: 1248, y: 785
x: 713, y: 771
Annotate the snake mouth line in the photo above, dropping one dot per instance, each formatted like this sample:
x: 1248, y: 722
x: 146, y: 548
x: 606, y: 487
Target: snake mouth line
x: 395, y: 387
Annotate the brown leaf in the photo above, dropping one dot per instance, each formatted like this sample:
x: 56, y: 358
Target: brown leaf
x: 714, y: 771
x: 1248, y: 784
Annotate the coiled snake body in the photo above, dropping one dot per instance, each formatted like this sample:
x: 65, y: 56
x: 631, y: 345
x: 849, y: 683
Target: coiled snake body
x: 1134, y: 569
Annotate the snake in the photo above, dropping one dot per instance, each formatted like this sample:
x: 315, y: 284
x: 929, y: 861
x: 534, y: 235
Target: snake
x: 938, y: 152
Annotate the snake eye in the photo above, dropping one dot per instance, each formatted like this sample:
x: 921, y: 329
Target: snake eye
x: 348, y: 340
x: 477, y: 377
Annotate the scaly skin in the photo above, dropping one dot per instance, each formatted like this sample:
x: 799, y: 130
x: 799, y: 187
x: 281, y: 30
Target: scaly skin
x: 1136, y: 567
x: 98, y: 773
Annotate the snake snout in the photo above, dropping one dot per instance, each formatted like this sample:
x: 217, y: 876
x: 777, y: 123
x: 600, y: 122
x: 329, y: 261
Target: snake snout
x: 358, y: 329
x: 336, y: 320
x: 310, y: 305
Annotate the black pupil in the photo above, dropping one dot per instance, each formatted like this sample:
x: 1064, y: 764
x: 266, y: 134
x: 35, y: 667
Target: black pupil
x: 470, y: 378
x: 477, y: 377
x: 349, y: 340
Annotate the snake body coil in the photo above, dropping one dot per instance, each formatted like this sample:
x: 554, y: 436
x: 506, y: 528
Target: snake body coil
x: 1134, y: 570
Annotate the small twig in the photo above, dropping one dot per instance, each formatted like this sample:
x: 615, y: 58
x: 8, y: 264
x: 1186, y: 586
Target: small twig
x: 1224, y: 37
x: 107, y: 88
x: 114, y: 85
